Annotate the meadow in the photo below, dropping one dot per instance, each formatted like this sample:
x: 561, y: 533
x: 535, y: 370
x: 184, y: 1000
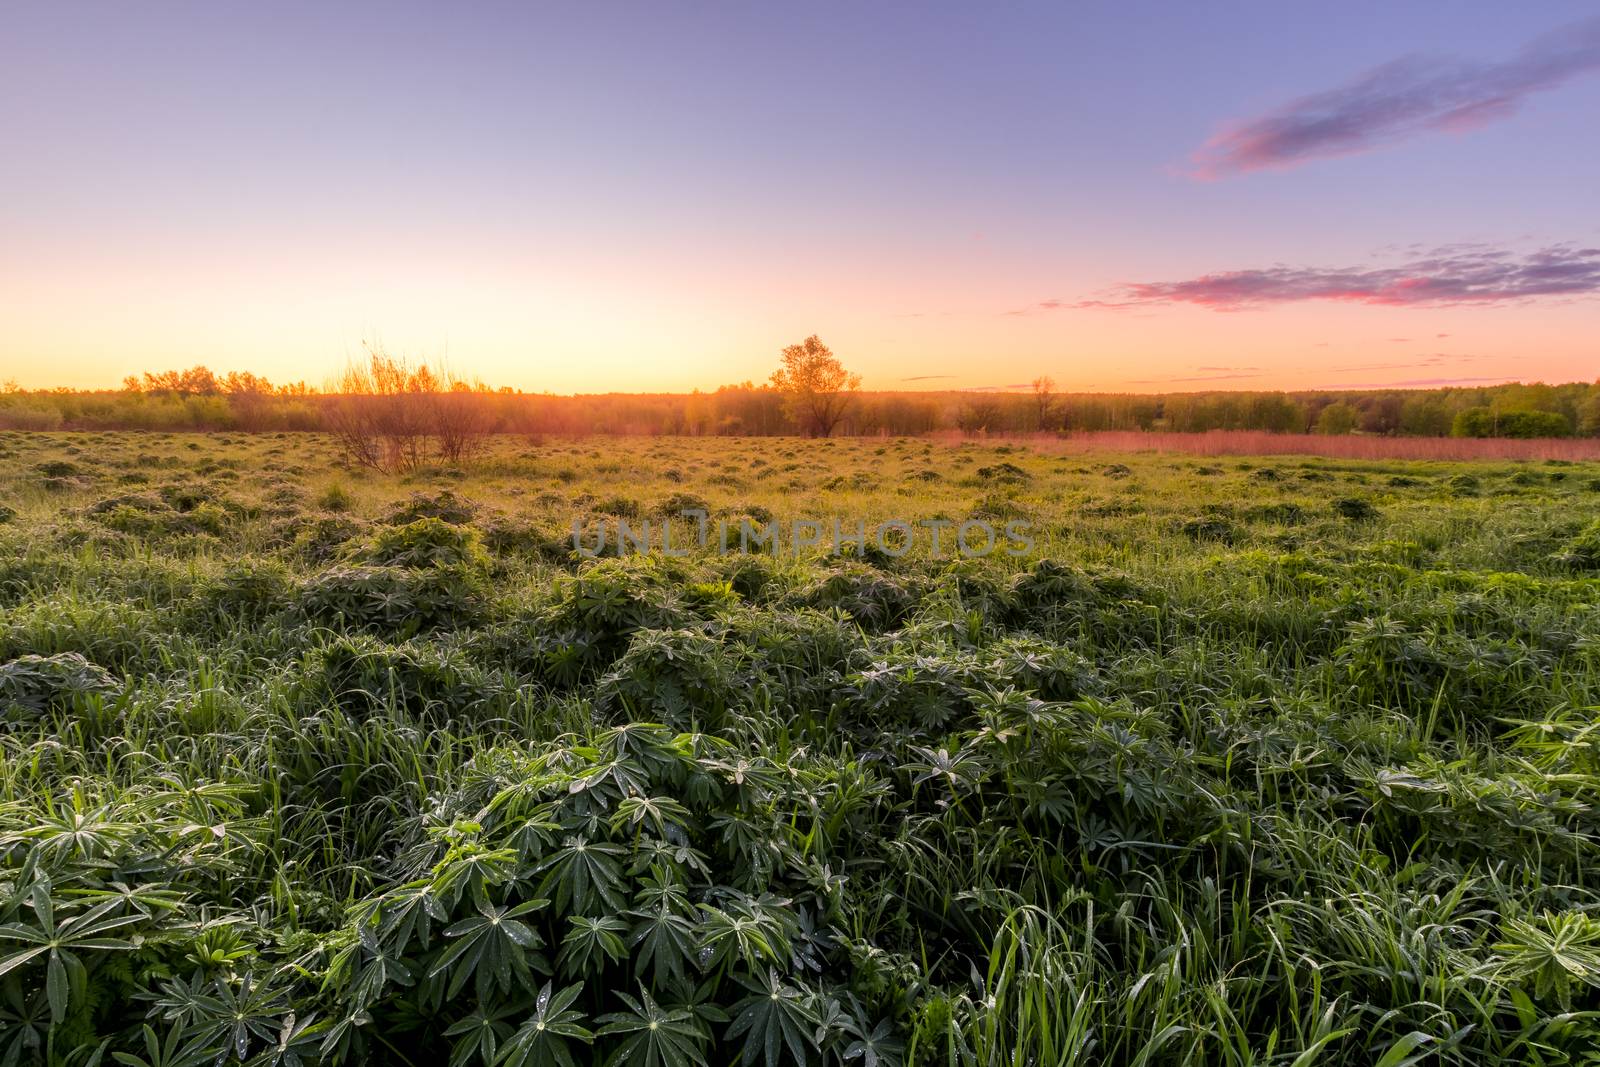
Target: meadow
x: 1249, y: 760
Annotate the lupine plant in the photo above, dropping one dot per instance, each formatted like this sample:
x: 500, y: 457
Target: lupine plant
x: 1273, y: 762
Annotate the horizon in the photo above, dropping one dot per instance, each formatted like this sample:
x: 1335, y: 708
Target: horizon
x: 1021, y: 389
x: 1248, y: 199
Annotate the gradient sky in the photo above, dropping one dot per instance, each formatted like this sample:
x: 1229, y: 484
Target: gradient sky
x: 656, y: 197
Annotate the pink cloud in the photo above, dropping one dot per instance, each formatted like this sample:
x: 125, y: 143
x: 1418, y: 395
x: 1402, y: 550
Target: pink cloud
x: 1399, y: 100
x: 1480, y: 276
x: 1419, y: 383
x: 1191, y: 378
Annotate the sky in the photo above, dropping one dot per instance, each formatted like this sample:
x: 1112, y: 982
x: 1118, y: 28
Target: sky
x: 659, y: 197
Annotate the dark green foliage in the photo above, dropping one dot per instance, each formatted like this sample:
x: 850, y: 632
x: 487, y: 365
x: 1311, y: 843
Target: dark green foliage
x: 623, y: 507
x: 680, y: 503
x: 1583, y: 551
x: 873, y: 598
x: 1004, y: 472
x: 412, y: 785
x: 394, y: 600
x: 444, y: 506
x: 1487, y: 422
x: 677, y: 677
x: 163, y: 514
x: 1284, y: 514
x: 366, y: 677
x: 32, y: 685
x: 250, y: 591
x: 1354, y: 508
x: 319, y: 538
x: 425, y: 543
x: 504, y: 536
x: 1210, y: 528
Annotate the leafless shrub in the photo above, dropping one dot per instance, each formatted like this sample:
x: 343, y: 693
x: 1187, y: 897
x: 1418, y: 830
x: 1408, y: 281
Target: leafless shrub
x: 390, y: 416
x: 462, y: 419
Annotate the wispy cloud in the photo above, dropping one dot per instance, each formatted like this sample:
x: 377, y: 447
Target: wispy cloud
x: 1398, y: 100
x: 1454, y: 276
x: 926, y: 377
x: 1418, y: 383
x: 1190, y: 378
x: 1436, y: 360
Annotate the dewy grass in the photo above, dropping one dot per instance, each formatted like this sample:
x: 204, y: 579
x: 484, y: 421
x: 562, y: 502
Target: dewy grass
x: 1283, y: 761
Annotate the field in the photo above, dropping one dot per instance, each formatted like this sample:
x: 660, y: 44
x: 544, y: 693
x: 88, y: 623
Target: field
x: 1245, y: 760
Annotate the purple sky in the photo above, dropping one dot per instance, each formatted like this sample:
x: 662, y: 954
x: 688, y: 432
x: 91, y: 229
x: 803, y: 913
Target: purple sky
x: 574, y: 197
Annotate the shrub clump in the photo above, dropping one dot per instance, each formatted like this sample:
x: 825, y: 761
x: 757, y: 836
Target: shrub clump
x: 680, y: 503
x: 1583, y: 551
x: 32, y: 685
x: 1354, y: 509
x: 365, y: 677
x: 875, y: 600
x: 444, y: 506
x: 58, y: 468
x: 1210, y: 528
x: 166, y: 513
x: 682, y: 678
x: 1284, y: 514
x: 425, y: 543
x: 394, y: 600
x: 623, y: 507
x: 1004, y: 473
x: 250, y: 590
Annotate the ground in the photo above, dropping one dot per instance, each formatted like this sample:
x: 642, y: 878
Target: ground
x: 1240, y: 760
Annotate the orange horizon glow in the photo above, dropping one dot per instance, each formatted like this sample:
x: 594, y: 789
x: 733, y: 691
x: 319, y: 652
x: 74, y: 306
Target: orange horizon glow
x: 585, y: 202
x: 685, y: 345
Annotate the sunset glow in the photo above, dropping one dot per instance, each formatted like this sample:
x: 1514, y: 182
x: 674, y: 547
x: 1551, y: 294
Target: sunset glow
x: 630, y: 199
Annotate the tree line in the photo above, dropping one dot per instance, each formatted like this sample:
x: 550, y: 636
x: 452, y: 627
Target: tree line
x: 391, y: 413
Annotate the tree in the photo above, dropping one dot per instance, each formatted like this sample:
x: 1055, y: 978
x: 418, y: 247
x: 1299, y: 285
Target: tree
x: 196, y: 381
x: 377, y: 413
x: 1338, y: 418
x: 391, y: 416
x: 817, y: 389
x: 1489, y: 422
x: 1044, y: 388
x: 248, y: 396
x: 1474, y: 422
x: 461, y: 418
x: 979, y: 413
x: 1589, y: 413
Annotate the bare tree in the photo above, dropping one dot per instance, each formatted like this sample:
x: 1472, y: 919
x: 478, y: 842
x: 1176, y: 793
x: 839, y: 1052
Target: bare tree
x: 378, y: 413
x: 390, y: 416
x: 462, y: 418
x: 1044, y: 388
x: 978, y: 414
x: 352, y: 414
x: 817, y: 389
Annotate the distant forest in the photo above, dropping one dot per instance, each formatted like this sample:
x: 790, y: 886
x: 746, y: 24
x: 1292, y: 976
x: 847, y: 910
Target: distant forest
x: 198, y: 399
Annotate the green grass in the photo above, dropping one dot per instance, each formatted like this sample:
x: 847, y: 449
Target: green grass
x: 1250, y: 761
